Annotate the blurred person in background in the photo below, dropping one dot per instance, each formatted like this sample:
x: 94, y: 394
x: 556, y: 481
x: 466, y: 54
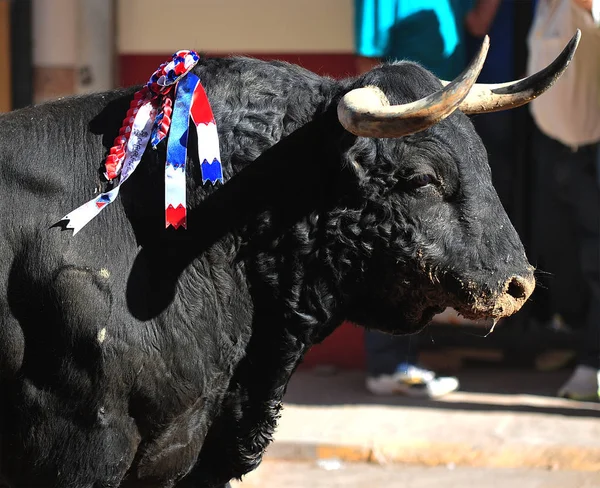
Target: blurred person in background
x: 497, y: 129
x: 433, y: 34
x: 566, y: 194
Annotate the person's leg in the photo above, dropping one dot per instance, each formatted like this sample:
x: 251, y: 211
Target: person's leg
x: 495, y: 130
x: 392, y: 368
x: 588, y: 209
x: 384, y: 352
x: 554, y: 244
x: 590, y: 351
x: 583, y: 195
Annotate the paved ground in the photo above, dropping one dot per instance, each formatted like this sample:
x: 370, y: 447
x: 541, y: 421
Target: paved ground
x: 501, y: 419
x: 334, y: 475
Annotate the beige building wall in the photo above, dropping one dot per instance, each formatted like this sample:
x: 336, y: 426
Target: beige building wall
x: 230, y: 26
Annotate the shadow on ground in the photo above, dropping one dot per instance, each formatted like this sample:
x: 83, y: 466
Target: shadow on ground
x: 483, y: 389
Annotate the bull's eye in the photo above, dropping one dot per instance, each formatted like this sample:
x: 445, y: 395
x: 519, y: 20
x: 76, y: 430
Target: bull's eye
x: 421, y: 180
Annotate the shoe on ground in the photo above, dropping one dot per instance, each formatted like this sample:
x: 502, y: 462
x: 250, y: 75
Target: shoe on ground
x: 583, y: 385
x: 554, y: 360
x: 412, y: 381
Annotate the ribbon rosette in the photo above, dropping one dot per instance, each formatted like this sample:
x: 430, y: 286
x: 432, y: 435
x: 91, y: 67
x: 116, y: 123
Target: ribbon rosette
x: 172, y: 95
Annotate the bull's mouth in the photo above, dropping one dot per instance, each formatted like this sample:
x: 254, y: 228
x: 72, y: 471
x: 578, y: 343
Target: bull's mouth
x: 428, y: 314
x: 408, y: 305
x: 470, y: 299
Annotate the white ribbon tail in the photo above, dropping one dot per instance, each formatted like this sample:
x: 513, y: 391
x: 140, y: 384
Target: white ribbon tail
x: 79, y: 217
x: 208, y: 146
x: 175, y: 186
x: 136, y: 145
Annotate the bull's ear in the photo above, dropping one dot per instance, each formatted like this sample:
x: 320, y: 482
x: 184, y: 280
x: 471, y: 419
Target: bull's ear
x: 353, y: 153
x: 351, y: 150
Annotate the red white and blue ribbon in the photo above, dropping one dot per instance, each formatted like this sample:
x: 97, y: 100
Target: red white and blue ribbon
x: 162, y: 107
x: 175, y: 205
x: 138, y: 137
x: 208, y: 151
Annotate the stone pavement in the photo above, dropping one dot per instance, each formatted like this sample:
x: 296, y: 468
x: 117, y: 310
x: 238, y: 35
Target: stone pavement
x: 500, y: 419
x: 353, y: 475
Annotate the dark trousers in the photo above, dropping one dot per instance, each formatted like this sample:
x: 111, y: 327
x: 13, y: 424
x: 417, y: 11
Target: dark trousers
x: 384, y: 352
x: 566, y: 235
x: 496, y: 132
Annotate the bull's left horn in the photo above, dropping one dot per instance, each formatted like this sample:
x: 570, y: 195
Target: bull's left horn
x: 366, y: 111
x: 503, y: 96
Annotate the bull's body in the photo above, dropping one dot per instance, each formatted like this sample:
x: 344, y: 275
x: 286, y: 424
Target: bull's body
x: 89, y: 380
x: 135, y: 356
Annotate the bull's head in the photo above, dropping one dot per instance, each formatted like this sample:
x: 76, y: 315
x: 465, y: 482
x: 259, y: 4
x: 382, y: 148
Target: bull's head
x: 433, y: 227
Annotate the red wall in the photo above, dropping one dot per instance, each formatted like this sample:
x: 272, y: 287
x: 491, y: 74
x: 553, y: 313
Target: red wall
x: 344, y: 348
x: 137, y: 68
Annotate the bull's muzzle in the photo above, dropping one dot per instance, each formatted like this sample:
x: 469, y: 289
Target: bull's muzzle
x: 511, y: 296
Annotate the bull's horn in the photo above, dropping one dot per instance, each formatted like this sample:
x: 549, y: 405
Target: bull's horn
x: 503, y: 96
x: 367, y: 112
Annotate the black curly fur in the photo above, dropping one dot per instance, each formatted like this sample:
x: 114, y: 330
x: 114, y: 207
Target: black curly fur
x: 205, y: 327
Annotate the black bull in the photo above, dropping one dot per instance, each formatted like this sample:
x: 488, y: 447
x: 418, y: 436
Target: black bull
x: 135, y: 356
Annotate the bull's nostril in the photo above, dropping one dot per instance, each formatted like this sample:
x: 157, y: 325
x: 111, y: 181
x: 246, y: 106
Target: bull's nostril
x: 517, y: 288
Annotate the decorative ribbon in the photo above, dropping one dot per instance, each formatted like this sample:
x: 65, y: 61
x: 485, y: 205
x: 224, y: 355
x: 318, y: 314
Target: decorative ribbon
x: 172, y: 95
x: 136, y: 144
x: 206, y: 128
x: 175, y: 213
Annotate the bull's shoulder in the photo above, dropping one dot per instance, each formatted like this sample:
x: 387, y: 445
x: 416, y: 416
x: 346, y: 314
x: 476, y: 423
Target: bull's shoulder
x: 62, y: 133
x: 51, y: 153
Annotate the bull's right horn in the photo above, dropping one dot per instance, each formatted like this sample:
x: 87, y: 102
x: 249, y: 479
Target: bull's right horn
x: 485, y: 98
x: 367, y: 112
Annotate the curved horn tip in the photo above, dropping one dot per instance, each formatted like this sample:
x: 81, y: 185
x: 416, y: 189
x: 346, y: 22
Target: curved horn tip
x: 485, y: 45
x: 502, y: 96
x: 486, y: 40
x: 366, y: 111
x: 574, y: 42
x: 481, y: 55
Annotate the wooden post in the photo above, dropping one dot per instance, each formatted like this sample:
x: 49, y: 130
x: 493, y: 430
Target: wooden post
x: 21, y: 51
x: 5, y: 61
